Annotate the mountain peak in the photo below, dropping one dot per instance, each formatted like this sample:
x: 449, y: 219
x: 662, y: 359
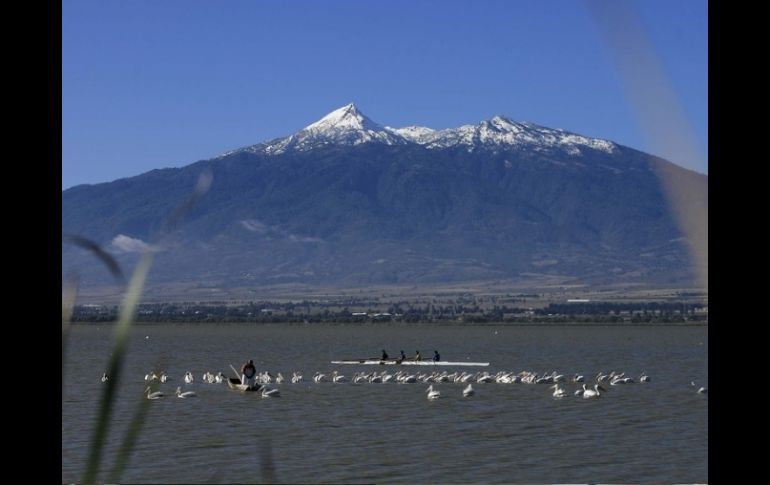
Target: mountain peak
x: 345, y: 118
x: 343, y: 126
x: 501, y: 119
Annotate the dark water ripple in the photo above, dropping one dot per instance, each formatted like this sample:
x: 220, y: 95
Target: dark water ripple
x: 356, y: 433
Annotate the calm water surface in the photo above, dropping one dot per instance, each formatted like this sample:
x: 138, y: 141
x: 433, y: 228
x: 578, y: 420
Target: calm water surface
x: 385, y: 433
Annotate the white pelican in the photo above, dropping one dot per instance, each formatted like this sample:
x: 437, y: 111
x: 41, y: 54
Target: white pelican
x: 104, y: 377
x: 296, y: 377
x: 557, y: 391
x: 619, y: 379
x: 153, y: 395
x: 266, y: 392
x: 484, y: 378
x: 644, y: 377
x: 318, y: 377
x: 578, y: 378
x: 468, y: 391
x: 181, y: 394
x: 375, y: 378
x: 432, y: 394
x: 219, y: 378
x: 359, y: 377
x: 164, y: 377
x: 590, y: 393
x: 279, y: 378
x: 601, y: 377
x: 701, y: 390
x: 188, y: 378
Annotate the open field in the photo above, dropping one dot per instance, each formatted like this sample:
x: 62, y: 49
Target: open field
x: 536, y: 292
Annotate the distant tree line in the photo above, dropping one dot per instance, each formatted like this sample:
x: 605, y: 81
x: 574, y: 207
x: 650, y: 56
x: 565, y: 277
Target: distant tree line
x: 305, y: 312
x: 605, y: 308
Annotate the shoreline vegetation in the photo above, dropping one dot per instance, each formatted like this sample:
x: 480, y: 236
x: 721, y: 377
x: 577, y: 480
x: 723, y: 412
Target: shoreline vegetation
x: 462, y: 311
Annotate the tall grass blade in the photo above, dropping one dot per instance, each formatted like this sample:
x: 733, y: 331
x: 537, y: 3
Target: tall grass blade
x: 267, y: 465
x: 134, y: 428
x: 126, y: 317
x: 100, y: 253
x: 201, y: 187
x: 70, y: 288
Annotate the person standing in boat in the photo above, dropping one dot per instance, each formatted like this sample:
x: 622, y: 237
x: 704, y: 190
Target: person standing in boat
x: 436, y: 356
x: 417, y: 356
x: 248, y: 371
x: 384, y: 355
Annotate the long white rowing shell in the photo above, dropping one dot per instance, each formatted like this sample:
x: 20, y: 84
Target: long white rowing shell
x: 410, y: 362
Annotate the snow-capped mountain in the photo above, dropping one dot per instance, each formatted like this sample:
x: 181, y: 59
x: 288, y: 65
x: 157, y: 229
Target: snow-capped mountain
x: 348, y: 126
x: 343, y: 126
x: 346, y: 201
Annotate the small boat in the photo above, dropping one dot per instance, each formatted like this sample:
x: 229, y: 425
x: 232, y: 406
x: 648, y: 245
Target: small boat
x: 409, y: 362
x: 236, y: 384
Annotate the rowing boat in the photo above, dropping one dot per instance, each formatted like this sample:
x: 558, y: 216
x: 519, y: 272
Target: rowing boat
x: 410, y: 362
x: 236, y: 384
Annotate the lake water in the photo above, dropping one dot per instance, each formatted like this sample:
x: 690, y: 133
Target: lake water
x: 385, y: 433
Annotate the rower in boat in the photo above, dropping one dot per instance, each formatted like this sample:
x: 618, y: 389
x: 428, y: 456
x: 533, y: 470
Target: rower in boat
x: 235, y: 383
x: 417, y: 355
x: 436, y: 356
x: 377, y: 361
x: 248, y: 371
x: 384, y: 355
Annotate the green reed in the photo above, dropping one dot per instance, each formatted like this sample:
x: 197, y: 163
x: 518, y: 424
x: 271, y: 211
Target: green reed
x: 126, y: 318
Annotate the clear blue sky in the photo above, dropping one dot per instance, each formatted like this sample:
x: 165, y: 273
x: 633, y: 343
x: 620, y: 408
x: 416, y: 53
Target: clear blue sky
x: 148, y: 84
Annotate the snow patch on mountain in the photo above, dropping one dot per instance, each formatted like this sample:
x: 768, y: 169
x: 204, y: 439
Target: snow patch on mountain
x: 416, y: 134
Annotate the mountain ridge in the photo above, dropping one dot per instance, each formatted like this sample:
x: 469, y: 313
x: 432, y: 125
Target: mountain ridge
x: 354, y: 211
x: 347, y: 125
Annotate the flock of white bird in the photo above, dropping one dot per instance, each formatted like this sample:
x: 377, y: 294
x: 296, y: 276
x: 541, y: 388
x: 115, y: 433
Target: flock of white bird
x: 502, y: 377
x: 188, y: 378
